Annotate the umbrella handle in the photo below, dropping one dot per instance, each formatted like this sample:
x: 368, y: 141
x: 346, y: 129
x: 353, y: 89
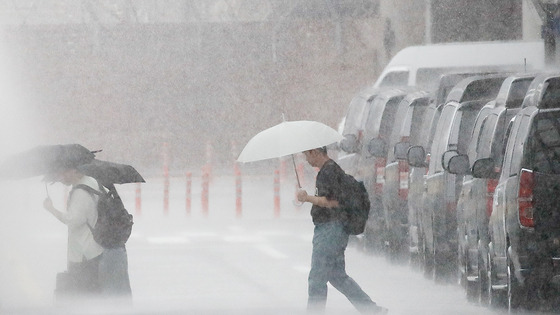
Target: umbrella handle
x: 295, y: 170
x: 47, y: 190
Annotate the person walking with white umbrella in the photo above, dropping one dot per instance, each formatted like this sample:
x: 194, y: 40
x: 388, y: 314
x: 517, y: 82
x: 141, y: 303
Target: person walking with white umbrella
x: 330, y: 239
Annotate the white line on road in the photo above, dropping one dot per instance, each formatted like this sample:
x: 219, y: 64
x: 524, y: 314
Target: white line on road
x: 271, y: 251
x: 167, y: 240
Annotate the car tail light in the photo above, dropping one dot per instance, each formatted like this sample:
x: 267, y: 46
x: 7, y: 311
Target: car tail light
x: 403, y: 174
x: 490, y: 188
x: 428, y: 156
x: 525, y: 198
x: 403, y: 179
x: 379, y: 174
x: 360, y: 136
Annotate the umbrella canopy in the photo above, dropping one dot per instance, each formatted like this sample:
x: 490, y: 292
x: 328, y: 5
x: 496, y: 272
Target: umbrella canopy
x: 44, y: 159
x: 287, y: 138
x: 108, y: 173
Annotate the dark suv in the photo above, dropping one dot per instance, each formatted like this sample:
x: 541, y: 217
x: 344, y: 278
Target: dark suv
x: 452, y: 136
x: 524, y: 252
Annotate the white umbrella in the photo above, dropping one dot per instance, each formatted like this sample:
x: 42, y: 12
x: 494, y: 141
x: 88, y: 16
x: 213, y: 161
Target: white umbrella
x: 287, y: 138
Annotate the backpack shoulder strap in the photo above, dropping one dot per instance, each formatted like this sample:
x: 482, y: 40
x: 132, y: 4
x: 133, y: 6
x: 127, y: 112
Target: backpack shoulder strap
x: 87, y: 188
x: 90, y: 191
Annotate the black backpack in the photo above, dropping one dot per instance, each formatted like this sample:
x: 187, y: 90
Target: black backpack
x: 114, y: 223
x: 355, y: 205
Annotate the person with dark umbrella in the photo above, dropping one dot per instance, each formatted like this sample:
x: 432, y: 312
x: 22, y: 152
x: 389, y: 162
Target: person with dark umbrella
x: 330, y: 239
x: 96, y: 264
x: 83, y: 252
x: 91, y: 268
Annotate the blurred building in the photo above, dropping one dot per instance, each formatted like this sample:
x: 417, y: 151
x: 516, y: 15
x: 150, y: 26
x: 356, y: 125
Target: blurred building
x: 129, y: 76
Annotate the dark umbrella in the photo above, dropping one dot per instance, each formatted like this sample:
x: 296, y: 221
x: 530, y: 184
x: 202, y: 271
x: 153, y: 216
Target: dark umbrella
x: 108, y: 173
x: 45, y: 159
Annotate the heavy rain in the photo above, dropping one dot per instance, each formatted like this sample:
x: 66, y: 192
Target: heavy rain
x: 178, y: 88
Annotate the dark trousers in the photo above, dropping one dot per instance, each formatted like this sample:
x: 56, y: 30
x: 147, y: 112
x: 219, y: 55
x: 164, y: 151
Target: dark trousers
x: 81, y: 279
x: 328, y: 265
x: 104, y: 276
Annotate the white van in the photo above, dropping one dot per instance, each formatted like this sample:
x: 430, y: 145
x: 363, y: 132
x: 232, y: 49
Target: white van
x: 421, y: 66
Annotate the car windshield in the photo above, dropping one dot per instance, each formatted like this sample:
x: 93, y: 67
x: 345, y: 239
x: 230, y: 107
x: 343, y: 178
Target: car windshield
x: 517, y: 92
x: 551, y: 94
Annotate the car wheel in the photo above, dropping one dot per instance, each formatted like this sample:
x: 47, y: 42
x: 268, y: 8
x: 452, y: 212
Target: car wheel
x: 443, y: 266
x: 420, y: 253
x: 462, y: 264
x: 514, y: 288
x: 496, y: 297
x: 428, y: 261
x: 482, y: 278
x: 473, y: 286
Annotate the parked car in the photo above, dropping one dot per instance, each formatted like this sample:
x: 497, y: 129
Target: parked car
x: 407, y: 121
x: 418, y: 171
x: 370, y: 169
x: 524, y: 250
x: 473, y: 211
x: 353, y: 128
x: 452, y: 136
x: 416, y: 188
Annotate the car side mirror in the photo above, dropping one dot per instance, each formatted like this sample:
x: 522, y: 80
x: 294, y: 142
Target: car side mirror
x: 459, y: 164
x: 377, y: 147
x: 349, y: 143
x: 447, y: 155
x: 484, y: 168
x: 416, y: 156
x: 401, y: 150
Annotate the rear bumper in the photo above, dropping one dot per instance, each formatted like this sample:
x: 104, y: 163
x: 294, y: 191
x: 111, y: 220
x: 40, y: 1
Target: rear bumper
x: 539, y: 259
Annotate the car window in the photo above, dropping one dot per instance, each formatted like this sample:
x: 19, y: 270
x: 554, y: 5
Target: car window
x: 389, y: 115
x: 402, y: 109
x: 395, y: 79
x: 482, y: 89
x: 442, y: 130
x: 466, y: 128
x: 354, y: 115
x: 500, y: 131
x: 544, y: 144
x: 377, y: 104
x: 433, y: 127
x: 551, y: 95
x: 424, y: 130
x: 476, y: 132
x: 473, y: 149
x: 517, y: 92
x: 486, y: 138
x: 508, y: 143
x: 520, y: 139
x: 413, y: 127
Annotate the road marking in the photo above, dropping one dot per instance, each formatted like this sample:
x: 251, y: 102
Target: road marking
x: 271, y: 252
x: 167, y: 240
x: 243, y: 239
